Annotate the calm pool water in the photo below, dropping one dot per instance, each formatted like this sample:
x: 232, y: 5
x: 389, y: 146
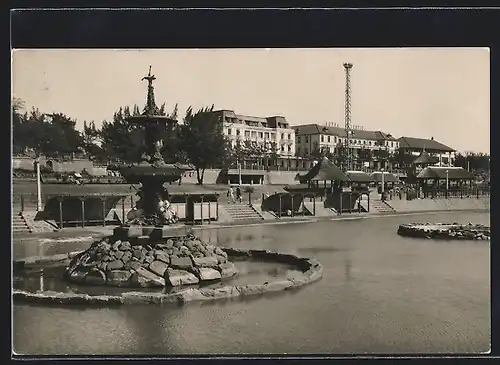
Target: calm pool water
x: 380, y: 293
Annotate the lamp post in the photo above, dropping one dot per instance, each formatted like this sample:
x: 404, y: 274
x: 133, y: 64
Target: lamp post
x: 382, y: 183
x: 38, y: 185
x: 447, y: 183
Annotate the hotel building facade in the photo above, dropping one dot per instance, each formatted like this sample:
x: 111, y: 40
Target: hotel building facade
x: 264, y: 131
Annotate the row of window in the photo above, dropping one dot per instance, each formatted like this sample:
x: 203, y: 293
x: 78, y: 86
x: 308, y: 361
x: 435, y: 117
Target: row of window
x: 354, y: 141
x: 255, y: 134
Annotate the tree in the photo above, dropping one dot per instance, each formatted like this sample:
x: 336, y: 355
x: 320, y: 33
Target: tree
x: 17, y: 125
x: 65, y: 139
x: 382, y: 155
x: 203, y: 140
x: 92, y: 142
x: 403, y: 159
x: 340, y: 155
x: 272, y: 154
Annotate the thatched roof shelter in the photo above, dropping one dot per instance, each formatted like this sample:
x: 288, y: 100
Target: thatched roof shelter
x: 454, y: 173
x: 425, y: 159
x: 358, y: 176
x: 388, y: 177
x: 324, y: 170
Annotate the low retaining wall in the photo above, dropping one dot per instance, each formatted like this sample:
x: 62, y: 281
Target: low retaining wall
x: 445, y: 231
x: 311, y: 271
x: 429, y: 205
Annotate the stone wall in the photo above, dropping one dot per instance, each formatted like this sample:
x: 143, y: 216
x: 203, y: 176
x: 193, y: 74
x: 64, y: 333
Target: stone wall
x: 445, y: 231
x: 311, y: 271
x: 428, y: 205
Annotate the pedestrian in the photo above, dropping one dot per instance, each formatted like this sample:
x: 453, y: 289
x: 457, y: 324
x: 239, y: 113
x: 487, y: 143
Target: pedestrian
x: 230, y: 195
x: 238, y: 194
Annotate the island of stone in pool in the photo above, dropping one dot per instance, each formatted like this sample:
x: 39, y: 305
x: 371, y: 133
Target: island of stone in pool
x: 140, y: 262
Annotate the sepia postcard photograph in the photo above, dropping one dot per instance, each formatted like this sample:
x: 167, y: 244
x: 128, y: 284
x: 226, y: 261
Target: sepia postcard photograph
x: 278, y: 201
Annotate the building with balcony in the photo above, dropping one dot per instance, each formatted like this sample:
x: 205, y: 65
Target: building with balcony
x: 266, y: 132
x: 313, y: 138
x: 414, y: 146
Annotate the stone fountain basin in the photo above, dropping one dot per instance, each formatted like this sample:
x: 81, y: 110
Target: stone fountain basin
x: 445, y: 231
x: 303, y: 271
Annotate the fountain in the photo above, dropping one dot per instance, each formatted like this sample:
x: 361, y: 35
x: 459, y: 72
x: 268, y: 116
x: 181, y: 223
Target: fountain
x: 144, y: 251
x: 149, y: 250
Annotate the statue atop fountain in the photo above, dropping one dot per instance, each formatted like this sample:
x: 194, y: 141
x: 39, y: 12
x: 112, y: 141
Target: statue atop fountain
x: 152, y: 172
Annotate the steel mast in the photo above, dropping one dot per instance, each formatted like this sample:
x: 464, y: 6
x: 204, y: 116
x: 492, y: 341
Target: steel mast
x: 347, y: 117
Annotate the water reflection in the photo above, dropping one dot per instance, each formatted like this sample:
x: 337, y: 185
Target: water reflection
x: 380, y: 293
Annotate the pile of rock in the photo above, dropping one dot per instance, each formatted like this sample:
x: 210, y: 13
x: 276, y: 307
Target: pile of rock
x: 445, y: 231
x: 176, y: 261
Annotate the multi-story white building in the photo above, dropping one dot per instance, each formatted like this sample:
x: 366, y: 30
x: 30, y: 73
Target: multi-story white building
x: 310, y: 138
x: 263, y: 131
x: 414, y: 146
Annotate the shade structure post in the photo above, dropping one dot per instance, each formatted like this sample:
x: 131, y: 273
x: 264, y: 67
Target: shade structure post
x: 217, y: 207
x: 279, y: 210
x: 209, y: 213
x: 22, y: 202
x: 60, y: 199
x: 123, y: 210
x: 314, y: 205
x: 83, y: 212
x: 291, y: 196
x: 340, y: 211
x: 103, y: 212
x: 201, y: 210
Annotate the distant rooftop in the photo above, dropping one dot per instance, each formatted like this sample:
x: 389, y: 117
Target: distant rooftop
x: 340, y: 132
x: 422, y: 143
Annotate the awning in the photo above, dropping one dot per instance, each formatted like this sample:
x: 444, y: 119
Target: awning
x: 388, y: 177
x: 454, y: 173
x: 358, y: 176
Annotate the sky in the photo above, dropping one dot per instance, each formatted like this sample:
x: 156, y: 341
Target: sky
x: 417, y: 92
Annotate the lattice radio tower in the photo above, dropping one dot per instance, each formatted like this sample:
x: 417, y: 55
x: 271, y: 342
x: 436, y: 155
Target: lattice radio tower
x: 347, y: 117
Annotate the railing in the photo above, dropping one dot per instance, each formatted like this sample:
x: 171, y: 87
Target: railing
x: 270, y: 168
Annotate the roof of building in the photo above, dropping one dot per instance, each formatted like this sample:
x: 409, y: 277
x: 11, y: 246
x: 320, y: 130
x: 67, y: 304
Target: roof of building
x: 340, y: 132
x: 324, y: 170
x: 454, y: 173
x: 425, y: 159
x: 422, y: 143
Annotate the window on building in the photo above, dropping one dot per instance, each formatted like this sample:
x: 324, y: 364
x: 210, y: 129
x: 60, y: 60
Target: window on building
x: 229, y: 131
x: 328, y: 139
x: 289, y: 136
x: 298, y: 139
x: 369, y: 143
x: 237, y: 132
x: 289, y: 148
x: 247, y: 134
x: 335, y: 139
x: 261, y: 134
x: 306, y: 151
x: 307, y: 139
x: 322, y: 138
x: 282, y: 135
x: 266, y: 135
x: 282, y: 148
x: 254, y: 134
x: 273, y: 136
